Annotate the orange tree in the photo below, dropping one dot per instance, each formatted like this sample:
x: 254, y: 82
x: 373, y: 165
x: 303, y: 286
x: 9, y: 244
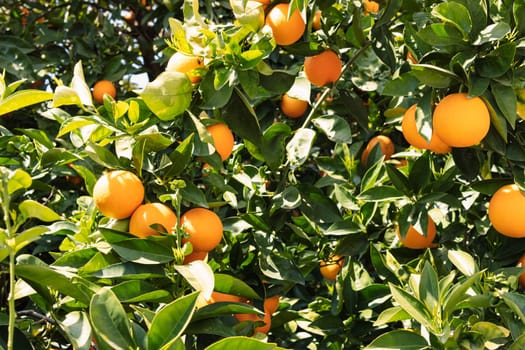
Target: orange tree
x: 293, y: 193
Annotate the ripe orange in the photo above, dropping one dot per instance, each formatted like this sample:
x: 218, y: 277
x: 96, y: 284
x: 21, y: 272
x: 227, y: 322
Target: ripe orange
x: 410, y: 58
x: 183, y: 63
x: 267, y: 319
x: 150, y: 214
x: 285, y: 31
x: 118, y: 193
x: 271, y: 304
x: 264, y: 3
x: 323, y: 68
x: 370, y: 6
x: 203, y: 227
x: 195, y: 255
x: 101, y: 88
x: 331, y: 267
x: 385, y: 143
x: 460, y: 121
x: 222, y: 139
x: 218, y: 297
x: 507, y: 211
x: 415, y: 239
x: 521, y: 263
x: 413, y: 137
x: 293, y: 107
x: 316, y: 21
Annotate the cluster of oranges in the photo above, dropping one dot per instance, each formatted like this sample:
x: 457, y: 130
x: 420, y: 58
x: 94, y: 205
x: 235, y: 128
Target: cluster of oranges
x: 270, y: 306
x: 119, y: 194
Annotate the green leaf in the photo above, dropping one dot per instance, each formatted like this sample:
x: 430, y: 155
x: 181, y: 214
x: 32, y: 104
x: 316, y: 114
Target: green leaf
x: 429, y: 288
x: 78, y: 329
x: 380, y: 194
x: 434, y: 76
x: 443, y: 36
x: 497, y: 62
x: 65, y: 96
x: 273, y: 144
x: 518, y: 343
x: 32, y: 209
x: 399, y: 180
x: 490, y: 330
x: 144, y: 251
x: 169, y: 95
x: 138, y: 291
x: 493, y: 32
x: 455, y: 14
x: 200, y: 276
x: 289, y: 198
x: 24, y: 238
x: 506, y: 100
x: 242, y: 343
x: 170, y: 322
x: 457, y: 294
x: 130, y: 270
x: 402, y: 85
x: 412, y: 306
x: 398, y: 339
x: 102, y: 156
x: 392, y: 314
x: 242, y: 119
x: 343, y: 228
x: 334, y: 127
x: 23, y: 98
x: 516, y: 302
x: 44, y: 276
x: 18, y: 179
x: 181, y: 157
x: 298, y: 148
x: 463, y: 261
x: 233, y: 285
x: 110, y: 321
x: 213, y: 98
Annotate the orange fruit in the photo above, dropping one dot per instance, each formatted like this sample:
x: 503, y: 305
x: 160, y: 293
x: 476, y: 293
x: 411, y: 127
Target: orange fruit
x: 195, y: 255
x: 415, y: 239
x: 331, y: 267
x: 203, y: 227
x: 101, y: 88
x: 316, y: 20
x: 183, y: 63
x: 293, y: 107
x: 118, y: 193
x: 413, y: 137
x: 323, y: 68
x: 410, y: 58
x: 264, y: 3
x: 271, y: 304
x: 521, y: 263
x: 385, y: 143
x: 461, y: 121
x: 222, y: 139
x: 507, y: 211
x: 218, y: 297
x: 150, y: 214
x: 267, y: 319
x: 370, y: 6
x: 286, y: 31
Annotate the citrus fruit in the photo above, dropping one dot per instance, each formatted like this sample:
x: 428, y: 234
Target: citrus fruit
x: 195, y: 255
x: 413, y: 137
x: 331, y: 267
x: 323, y: 68
x: 385, y: 143
x: 316, y: 20
x: 183, y: 63
x: 507, y: 211
x: 271, y: 304
x: 371, y: 6
x: 286, y: 31
x: 118, y: 193
x: 267, y: 319
x: 101, y: 88
x: 145, y: 217
x: 414, y: 239
x: 225, y: 297
x: 521, y: 263
x: 223, y: 139
x: 293, y: 107
x: 461, y: 121
x: 203, y: 227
